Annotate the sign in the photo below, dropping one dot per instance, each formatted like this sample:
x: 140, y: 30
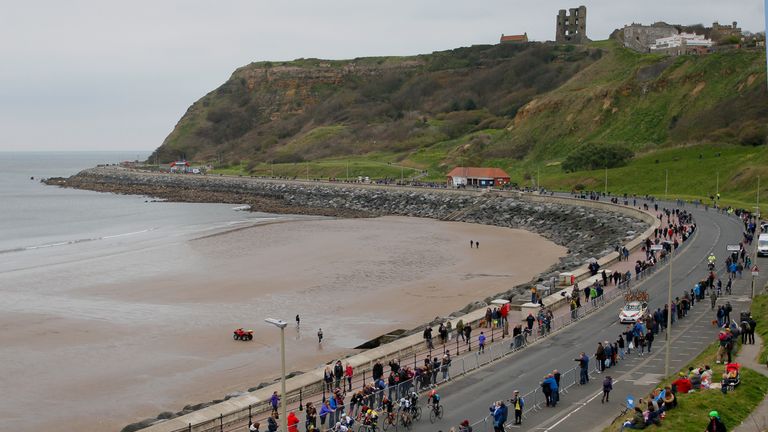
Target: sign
x: 733, y: 248
x: 755, y: 271
x: 657, y: 247
x: 630, y: 402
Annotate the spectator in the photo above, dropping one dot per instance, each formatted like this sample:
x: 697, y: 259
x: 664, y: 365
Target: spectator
x: 715, y: 424
x: 607, y: 387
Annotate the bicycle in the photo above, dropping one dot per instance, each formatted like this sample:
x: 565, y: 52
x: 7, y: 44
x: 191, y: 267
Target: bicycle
x: 389, y: 420
x: 416, y: 412
x: 406, y: 420
x: 435, y: 413
x: 373, y: 427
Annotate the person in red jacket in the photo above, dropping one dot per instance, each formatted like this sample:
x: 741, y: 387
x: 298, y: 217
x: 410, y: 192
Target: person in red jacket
x: 292, y: 422
x: 683, y: 384
x: 348, y: 371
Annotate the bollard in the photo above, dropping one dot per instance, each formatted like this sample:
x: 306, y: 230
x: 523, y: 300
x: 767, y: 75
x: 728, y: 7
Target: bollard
x: 190, y: 427
x: 250, y: 417
x: 457, y: 344
x: 363, y: 378
x: 301, y: 400
x: 221, y: 422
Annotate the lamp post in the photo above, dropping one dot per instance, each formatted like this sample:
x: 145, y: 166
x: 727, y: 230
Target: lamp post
x: 757, y: 231
x: 284, y: 398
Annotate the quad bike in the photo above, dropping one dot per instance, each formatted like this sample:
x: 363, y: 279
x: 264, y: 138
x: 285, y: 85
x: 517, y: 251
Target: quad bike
x: 243, y: 335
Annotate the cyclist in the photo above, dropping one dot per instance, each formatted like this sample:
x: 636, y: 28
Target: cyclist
x: 711, y: 260
x: 347, y: 421
x: 387, y: 404
x: 371, y: 418
x: 414, y: 400
x: 388, y: 407
x: 405, y: 410
x: 434, y: 398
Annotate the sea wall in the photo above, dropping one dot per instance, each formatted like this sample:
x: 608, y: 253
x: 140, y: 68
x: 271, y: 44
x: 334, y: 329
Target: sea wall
x: 587, y: 228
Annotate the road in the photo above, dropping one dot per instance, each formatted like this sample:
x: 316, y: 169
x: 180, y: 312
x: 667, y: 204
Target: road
x: 469, y: 397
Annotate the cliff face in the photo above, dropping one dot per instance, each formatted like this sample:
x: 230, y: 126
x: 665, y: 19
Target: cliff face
x: 477, y: 105
x: 309, y: 109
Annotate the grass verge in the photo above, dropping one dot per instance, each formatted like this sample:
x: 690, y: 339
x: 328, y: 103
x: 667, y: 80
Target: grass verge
x: 691, y: 414
x: 760, y: 314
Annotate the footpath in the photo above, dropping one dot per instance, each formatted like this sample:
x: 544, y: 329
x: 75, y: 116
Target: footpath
x: 235, y: 414
x: 748, y: 356
x: 563, y: 312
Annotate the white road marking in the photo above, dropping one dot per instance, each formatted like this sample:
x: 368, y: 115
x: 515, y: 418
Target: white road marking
x: 582, y: 405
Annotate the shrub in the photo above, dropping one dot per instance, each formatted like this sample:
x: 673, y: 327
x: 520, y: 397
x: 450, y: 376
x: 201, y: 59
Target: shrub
x: 594, y: 156
x: 753, y: 134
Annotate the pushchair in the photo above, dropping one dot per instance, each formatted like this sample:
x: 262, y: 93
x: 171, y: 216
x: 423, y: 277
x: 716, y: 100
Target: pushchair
x: 732, y: 377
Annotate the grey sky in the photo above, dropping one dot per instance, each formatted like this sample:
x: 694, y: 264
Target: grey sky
x: 87, y: 74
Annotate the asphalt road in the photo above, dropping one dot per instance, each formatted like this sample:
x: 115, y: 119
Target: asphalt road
x: 470, y: 397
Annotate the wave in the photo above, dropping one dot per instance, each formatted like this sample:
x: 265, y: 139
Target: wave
x: 75, y: 241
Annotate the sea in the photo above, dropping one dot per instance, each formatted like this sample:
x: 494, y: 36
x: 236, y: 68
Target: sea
x: 83, y: 235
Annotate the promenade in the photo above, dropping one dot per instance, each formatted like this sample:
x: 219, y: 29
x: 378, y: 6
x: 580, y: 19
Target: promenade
x: 465, y: 355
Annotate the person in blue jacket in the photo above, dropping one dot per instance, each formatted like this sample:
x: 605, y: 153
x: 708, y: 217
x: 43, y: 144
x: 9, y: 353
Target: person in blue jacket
x: 499, y: 412
x: 552, y: 382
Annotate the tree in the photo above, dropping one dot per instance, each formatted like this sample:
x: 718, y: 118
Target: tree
x: 596, y: 156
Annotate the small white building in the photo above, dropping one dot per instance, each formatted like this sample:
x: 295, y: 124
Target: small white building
x: 683, y: 43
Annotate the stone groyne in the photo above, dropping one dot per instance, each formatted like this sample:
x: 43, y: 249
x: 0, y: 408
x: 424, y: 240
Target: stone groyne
x: 587, y: 229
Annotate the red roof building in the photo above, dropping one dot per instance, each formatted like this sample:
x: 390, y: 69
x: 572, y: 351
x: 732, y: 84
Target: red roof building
x: 474, y: 176
x: 514, y: 39
x: 179, y: 166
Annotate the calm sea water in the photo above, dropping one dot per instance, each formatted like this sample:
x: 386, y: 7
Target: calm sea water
x: 42, y: 225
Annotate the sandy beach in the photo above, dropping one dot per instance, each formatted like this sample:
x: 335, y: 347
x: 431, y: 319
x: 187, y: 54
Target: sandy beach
x: 111, y: 352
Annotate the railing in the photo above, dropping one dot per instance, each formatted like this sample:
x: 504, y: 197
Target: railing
x: 460, y: 365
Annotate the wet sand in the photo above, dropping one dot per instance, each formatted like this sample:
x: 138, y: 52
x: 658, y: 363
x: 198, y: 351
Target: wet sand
x: 105, y: 355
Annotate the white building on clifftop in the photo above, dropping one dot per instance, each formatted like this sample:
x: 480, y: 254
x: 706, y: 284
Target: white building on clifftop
x: 683, y: 43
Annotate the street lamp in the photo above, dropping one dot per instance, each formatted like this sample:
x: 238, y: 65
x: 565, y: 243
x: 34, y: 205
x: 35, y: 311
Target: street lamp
x: 281, y: 325
x: 757, y: 231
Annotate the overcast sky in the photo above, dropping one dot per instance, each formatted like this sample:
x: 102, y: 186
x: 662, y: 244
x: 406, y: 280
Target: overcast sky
x: 117, y: 75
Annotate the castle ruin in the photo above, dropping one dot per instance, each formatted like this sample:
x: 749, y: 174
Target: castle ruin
x: 572, y: 27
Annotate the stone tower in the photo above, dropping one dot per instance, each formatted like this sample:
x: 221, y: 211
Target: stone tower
x: 572, y: 27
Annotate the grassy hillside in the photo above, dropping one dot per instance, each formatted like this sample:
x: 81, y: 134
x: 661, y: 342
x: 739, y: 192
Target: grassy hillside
x: 521, y: 108
x: 645, y: 101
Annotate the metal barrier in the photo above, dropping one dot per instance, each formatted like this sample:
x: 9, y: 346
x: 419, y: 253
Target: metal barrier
x: 535, y: 399
x: 496, y: 348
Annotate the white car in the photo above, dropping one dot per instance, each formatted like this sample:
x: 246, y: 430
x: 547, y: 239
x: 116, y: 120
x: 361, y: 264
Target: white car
x: 632, y: 311
x: 762, y: 245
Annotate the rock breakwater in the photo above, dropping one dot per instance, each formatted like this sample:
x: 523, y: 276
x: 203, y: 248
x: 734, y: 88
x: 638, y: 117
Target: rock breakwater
x: 587, y: 232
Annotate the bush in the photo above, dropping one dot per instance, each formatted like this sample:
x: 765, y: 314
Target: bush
x: 595, y: 156
x: 753, y: 134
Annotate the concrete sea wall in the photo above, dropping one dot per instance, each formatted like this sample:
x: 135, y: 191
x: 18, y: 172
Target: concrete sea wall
x: 587, y: 228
